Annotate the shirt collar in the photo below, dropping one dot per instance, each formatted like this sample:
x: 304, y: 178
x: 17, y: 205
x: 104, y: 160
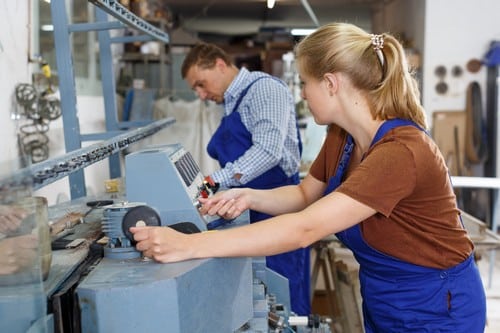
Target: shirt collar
x: 234, y: 89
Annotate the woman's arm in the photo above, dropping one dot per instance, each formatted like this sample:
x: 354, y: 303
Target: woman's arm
x: 277, y: 201
x: 332, y: 213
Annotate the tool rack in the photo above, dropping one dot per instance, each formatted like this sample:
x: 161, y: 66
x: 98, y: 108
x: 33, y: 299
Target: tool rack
x: 62, y: 36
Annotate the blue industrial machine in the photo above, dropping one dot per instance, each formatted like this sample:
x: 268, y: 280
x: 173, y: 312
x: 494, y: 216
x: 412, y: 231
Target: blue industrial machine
x: 112, y: 288
x: 128, y: 293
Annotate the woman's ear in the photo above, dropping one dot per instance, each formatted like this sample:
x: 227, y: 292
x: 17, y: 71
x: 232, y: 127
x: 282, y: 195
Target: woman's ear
x: 332, y: 82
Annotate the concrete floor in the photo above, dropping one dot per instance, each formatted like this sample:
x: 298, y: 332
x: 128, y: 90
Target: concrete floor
x: 489, y: 266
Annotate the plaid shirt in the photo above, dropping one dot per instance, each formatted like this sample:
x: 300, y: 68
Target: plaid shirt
x: 268, y: 113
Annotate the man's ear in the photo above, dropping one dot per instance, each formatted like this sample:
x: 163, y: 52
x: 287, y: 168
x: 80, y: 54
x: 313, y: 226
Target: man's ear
x: 220, y: 64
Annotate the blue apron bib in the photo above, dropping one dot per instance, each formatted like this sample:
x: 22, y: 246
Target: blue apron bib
x: 402, y: 297
x: 229, y: 142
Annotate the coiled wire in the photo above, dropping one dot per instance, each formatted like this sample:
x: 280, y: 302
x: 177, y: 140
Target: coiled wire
x: 39, y: 109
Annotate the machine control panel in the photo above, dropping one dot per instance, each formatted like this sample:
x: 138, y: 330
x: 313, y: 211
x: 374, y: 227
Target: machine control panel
x: 169, y: 180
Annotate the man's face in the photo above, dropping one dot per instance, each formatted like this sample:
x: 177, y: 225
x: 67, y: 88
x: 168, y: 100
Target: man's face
x: 209, y: 84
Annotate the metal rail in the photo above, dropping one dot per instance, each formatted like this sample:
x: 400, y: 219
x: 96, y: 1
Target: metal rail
x: 44, y: 173
x: 114, y: 8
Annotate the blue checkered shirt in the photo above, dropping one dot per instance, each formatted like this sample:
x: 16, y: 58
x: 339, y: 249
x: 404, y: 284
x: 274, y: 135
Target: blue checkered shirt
x: 268, y: 113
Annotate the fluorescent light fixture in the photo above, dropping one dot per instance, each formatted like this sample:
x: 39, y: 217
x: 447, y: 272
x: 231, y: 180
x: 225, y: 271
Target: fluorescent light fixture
x: 270, y: 3
x: 302, y: 32
x: 47, y: 27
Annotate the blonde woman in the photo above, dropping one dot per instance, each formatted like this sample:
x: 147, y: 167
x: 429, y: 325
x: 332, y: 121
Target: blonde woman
x: 379, y: 183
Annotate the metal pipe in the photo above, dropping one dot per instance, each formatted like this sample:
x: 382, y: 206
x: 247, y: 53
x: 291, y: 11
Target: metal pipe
x: 309, y: 10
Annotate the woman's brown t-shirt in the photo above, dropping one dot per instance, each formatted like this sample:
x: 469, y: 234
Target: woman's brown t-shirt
x: 405, y: 179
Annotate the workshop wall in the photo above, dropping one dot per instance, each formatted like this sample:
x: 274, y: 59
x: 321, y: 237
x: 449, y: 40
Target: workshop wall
x: 456, y: 31
x: 14, y: 26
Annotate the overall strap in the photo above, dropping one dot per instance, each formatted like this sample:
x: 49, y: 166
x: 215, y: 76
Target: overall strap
x: 390, y: 124
x: 335, y: 181
x: 245, y: 91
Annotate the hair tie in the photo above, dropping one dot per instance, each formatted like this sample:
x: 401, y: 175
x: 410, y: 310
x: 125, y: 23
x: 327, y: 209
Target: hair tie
x: 378, y: 45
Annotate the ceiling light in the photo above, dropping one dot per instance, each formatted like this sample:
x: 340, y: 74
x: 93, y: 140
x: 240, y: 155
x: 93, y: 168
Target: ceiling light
x: 301, y: 32
x: 47, y: 27
x: 270, y: 3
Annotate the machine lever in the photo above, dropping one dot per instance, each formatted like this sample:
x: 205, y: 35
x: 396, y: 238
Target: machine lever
x: 185, y: 227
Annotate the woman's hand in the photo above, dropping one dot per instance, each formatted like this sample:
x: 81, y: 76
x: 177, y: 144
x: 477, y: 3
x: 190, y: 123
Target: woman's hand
x: 162, y: 244
x: 227, y: 204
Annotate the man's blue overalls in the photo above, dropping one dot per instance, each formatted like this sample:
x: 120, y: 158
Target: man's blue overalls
x: 416, y: 296
x: 229, y: 142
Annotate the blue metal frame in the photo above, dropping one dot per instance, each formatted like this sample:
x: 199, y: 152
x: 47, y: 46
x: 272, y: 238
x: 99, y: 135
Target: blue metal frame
x: 115, y: 9
x: 62, y: 32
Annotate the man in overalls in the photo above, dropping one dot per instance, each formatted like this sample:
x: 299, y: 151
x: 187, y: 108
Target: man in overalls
x: 257, y: 143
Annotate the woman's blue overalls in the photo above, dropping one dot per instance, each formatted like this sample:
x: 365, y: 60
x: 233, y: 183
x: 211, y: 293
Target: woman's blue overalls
x: 403, y: 297
x: 229, y: 142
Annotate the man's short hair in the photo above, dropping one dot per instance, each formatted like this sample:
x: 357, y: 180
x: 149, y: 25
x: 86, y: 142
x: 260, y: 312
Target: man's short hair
x: 203, y: 55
